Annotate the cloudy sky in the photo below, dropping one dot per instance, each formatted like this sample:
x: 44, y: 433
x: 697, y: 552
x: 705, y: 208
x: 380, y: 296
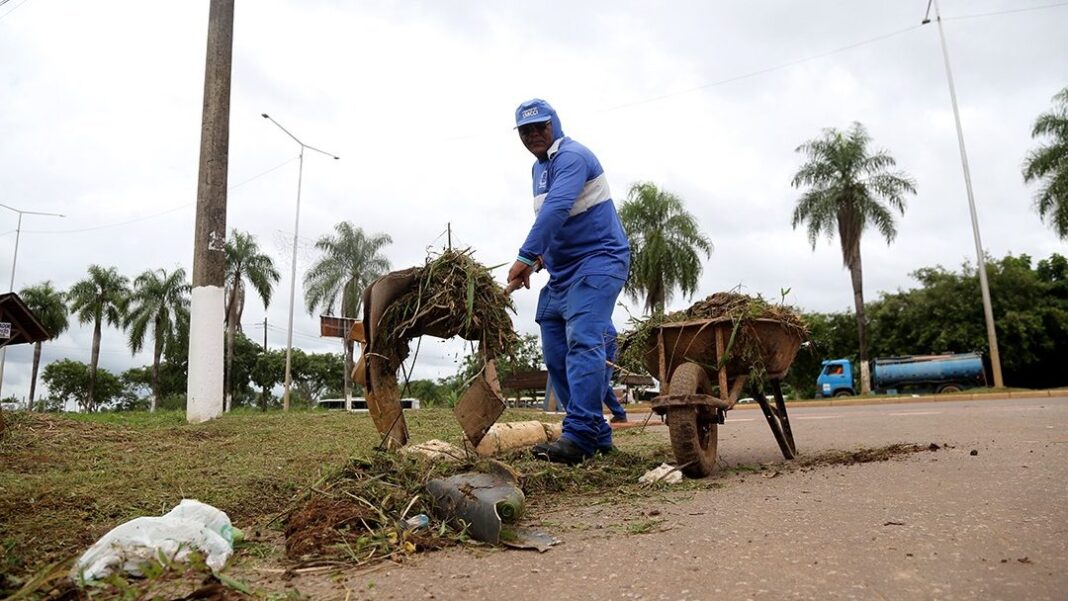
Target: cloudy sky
x: 708, y: 99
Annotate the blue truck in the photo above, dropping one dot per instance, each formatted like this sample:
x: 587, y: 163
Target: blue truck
x: 913, y: 373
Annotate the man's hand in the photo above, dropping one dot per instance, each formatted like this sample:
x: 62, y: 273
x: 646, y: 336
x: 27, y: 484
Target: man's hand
x: 520, y: 271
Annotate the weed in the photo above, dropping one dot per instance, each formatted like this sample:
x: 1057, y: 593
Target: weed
x: 643, y: 526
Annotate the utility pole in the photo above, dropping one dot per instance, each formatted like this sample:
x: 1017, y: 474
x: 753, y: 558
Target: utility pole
x: 980, y: 265
x: 205, y: 389
x: 265, y: 333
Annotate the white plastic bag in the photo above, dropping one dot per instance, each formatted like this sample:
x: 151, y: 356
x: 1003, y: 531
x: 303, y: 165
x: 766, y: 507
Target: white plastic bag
x: 190, y: 526
x: 664, y: 473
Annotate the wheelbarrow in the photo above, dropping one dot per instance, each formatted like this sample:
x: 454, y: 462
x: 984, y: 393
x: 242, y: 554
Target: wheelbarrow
x: 700, y: 380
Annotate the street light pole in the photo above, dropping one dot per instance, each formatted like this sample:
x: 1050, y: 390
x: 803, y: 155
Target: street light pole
x: 984, y: 287
x: 293, y: 270
x: 14, y: 262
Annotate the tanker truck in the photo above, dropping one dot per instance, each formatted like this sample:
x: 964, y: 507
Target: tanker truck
x: 912, y: 373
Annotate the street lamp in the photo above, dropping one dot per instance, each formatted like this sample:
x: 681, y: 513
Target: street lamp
x: 14, y: 262
x: 293, y: 273
x: 984, y: 287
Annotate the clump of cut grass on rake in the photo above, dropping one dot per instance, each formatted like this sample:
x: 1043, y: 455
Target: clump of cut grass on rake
x: 454, y: 296
x: 740, y: 309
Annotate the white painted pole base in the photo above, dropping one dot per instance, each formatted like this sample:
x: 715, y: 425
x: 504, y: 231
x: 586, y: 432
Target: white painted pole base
x: 204, y: 395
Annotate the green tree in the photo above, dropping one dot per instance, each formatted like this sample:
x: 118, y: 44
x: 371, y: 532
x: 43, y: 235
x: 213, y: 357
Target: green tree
x: 319, y: 374
x: 351, y: 260
x: 137, y: 390
x: 70, y: 380
x: 47, y: 304
x: 1049, y: 164
x: 847, y: 184
x: 158, y: 304
x: 267, y: 372
x: 101, y: 297
x: 245, y: 265
x: 246, y: 352
x: 831, y: 336
x: 944, y: 314
x: 665, y: 245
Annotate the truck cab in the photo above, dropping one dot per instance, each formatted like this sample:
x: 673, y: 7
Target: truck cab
x: 835, y: 379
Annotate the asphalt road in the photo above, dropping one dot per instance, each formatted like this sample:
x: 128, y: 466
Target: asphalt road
x: 948, y: 524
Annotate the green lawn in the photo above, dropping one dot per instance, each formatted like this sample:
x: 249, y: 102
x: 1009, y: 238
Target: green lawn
x: 66, y: 479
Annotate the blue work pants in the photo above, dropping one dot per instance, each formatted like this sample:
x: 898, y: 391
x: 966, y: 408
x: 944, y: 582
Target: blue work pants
x: 575, y: 322
x: 610, y: 399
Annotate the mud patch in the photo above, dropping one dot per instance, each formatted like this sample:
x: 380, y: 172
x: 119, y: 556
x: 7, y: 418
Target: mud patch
x: 863, y: 455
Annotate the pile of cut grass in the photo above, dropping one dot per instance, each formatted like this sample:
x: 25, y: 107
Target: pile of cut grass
x: 454, y: 295
x: 357, y: 514
x: 636, y: 342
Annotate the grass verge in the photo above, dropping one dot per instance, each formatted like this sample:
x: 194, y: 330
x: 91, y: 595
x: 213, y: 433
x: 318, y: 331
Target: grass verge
x: 66, y: 480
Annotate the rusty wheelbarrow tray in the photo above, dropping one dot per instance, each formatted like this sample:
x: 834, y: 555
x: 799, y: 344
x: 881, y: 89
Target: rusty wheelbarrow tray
x: 691, y: 357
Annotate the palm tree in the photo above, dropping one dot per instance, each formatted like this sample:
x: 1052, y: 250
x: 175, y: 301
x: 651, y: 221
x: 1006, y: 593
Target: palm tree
x: 846, y: 182
x: 1049, y: 163
x: 159, y: 302
x: 100, y: 297
x: 47, y: 304
x: 350, y: 262
x: 665, y: 246
x: 245, y: 265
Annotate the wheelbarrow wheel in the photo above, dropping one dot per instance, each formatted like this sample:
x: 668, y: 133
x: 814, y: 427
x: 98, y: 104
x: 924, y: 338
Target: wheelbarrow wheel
x: 693, y: 433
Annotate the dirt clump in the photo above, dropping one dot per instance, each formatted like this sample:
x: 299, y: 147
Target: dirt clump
x: 863, y: 455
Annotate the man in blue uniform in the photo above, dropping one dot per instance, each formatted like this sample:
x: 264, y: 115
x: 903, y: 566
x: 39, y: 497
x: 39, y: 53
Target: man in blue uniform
x: 579, y: 239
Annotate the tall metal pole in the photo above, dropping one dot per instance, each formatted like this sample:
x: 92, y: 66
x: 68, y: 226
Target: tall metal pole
x: 14, y: 263
x: 293, y: 270
x: 292, y: 290
x: 205, y: 388
x: 991, y: 332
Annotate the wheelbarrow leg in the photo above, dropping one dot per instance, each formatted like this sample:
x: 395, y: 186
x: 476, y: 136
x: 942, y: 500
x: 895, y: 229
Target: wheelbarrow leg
x: 773, y: 423
x: 784, y: 419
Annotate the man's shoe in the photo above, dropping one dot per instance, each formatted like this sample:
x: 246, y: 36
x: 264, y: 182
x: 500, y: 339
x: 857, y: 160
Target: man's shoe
x: 618, y: 419
x: 560, y: 451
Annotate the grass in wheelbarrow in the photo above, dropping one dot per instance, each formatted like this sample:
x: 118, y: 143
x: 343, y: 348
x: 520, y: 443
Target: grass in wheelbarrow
x: 739, y: 308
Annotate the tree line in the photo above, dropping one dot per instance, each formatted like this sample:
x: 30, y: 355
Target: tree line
x: 153, y: 309
x: 944, y: 314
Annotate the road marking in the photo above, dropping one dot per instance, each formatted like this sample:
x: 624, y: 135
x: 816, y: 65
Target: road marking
x: 741, y: 419
x: 818, y: 417
x: 916, y: 413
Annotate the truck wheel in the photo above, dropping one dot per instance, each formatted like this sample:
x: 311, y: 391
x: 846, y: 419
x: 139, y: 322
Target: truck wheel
x: 949, y: 388
x: 843, y: 393
x: 693, y: 434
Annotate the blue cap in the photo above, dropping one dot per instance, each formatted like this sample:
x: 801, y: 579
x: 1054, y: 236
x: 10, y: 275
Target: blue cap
x: 534, y: 110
